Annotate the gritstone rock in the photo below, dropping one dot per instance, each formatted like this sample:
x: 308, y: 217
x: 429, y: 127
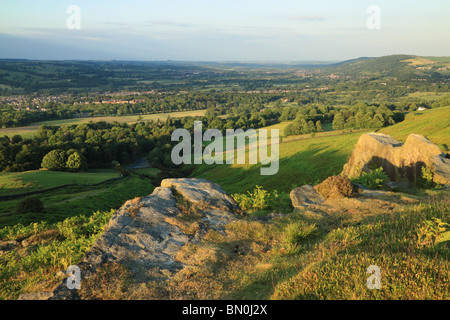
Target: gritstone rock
x: 401, y: 162
x: 144, y: 235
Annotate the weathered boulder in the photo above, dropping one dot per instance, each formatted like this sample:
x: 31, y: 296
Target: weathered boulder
x: 417, y: 152
x: 374, y: 149
x: 305, y: 196
x: 145, y: 235
x: 441, y: 167
x: 401, y: 162
x: 202, y: 192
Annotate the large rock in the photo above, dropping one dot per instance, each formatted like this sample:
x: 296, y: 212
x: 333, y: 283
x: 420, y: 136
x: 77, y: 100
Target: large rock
x: 305, y: 196
x: 441, y: 170
x: 145, y: 235
x: 373, y: 149
x: 202, y: 192
x: 401, y: 162
x: 417, y: 152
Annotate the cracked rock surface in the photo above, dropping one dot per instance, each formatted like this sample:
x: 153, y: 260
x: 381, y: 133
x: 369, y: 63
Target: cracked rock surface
x: 144, y: 234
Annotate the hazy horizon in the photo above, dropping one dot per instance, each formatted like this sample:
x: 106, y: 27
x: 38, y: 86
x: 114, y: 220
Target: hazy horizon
x: 222, y: 31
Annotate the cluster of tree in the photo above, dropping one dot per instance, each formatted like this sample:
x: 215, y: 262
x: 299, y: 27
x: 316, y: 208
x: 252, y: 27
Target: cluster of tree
x: 98, y: 144
x: 310, y: 118
x: 61, y: 160
x: 17, y: 118
x: 301, y: 126
x: 362, y: 116
x: 73, y: 147
x: 313, y: 102
x: 222, y: 103
x: 103, y: 145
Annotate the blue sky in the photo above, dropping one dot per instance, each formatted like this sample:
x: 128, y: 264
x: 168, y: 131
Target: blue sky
x: 216, y: 30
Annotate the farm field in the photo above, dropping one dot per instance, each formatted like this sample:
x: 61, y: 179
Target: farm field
x: 28, y: 131
x: 28, y: 181
x: 83, y: 198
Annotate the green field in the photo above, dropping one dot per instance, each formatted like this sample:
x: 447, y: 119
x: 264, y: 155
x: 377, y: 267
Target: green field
x: 20, y: 182
x: 83, y: 198
x: 30, y: 130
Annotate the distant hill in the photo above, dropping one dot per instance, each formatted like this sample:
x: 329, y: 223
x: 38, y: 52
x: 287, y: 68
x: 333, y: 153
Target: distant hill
x: 18, y: 76
x: 402, y: 67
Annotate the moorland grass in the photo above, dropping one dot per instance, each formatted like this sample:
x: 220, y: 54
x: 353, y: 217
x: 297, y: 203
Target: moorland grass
x: 303, y: 255
x: 409, y: 270
x: 51, y: 248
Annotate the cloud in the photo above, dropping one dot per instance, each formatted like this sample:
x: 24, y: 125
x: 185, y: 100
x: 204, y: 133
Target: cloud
x: 169, y: 23
x: 97, y: 39
x: 308, y: 18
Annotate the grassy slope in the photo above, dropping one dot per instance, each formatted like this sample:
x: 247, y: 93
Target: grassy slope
x: 433, y: 123
x: 335, y: 266
x: 307, y: 160
x: 301, y: 162
x: 306, y: 255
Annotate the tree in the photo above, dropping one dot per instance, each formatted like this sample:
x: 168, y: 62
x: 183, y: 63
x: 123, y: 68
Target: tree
x: 311, y: 127
x: 412, y: 107
x: 55, y: 160
x: 118, y: 167
x: 319, y: 127
x: 303, y: 125
x: 76, y: 162
x: 338, y: 122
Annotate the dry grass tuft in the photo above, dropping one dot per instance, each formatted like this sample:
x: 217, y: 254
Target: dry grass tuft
x: 111, y: 282
x: 134, y: 206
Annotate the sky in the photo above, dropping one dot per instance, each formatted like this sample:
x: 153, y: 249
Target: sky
x: 217, y: 30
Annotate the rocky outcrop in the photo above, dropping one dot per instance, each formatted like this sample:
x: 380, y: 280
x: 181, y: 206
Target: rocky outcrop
x: 305, y: 196
x: 331, y: 188
x: 146, y: 234
x: 202, y: 192
x: 441, y: 170
x: 401, y: 162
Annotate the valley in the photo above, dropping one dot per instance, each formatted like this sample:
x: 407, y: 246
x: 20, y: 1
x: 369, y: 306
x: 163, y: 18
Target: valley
x: 76, y: 159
